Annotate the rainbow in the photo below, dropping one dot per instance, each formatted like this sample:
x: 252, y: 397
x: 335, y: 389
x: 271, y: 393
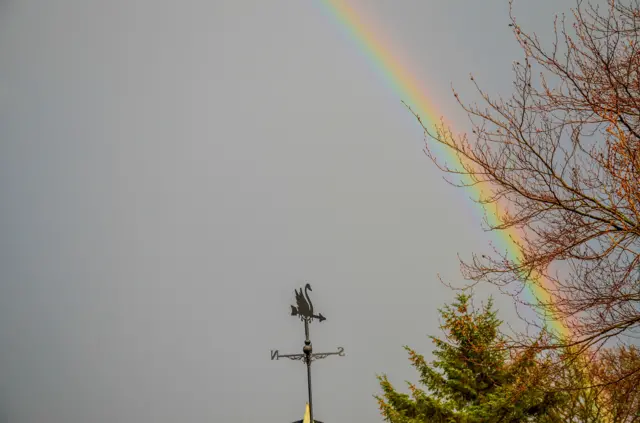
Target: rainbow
x: 400, y: 79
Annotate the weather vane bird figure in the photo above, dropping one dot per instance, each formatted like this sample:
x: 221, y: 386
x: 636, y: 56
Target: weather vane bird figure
x: 304, y: 306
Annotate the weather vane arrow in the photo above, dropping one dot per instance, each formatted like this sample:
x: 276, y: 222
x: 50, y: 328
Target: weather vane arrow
x: 304, y: 310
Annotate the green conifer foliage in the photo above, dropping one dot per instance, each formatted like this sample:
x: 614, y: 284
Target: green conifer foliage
x: 473, y: 378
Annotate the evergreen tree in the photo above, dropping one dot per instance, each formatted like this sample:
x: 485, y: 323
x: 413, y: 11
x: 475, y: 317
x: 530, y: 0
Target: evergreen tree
x: 473, y: 377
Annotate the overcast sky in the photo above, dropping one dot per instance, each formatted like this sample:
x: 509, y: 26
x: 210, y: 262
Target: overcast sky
x: 170, y: 171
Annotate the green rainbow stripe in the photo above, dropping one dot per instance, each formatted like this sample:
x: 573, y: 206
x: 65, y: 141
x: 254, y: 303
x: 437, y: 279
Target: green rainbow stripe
x: 403, y: 82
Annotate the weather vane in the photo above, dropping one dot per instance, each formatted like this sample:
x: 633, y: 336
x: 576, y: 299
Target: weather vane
x: 304, y: 310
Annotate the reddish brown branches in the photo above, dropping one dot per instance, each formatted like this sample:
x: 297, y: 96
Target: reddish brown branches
x: 562, y: 156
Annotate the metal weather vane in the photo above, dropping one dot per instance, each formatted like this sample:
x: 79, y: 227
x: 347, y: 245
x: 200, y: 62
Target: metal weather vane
x: 304, y: 310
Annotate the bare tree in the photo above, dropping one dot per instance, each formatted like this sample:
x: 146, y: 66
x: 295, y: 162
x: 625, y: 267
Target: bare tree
x: 615, y: 370
x: 561, y: 157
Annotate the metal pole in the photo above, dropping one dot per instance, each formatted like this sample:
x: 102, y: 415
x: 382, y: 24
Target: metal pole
x: 307, y: 349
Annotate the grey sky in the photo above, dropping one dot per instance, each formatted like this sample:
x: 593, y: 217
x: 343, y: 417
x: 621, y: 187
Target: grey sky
x: 171, y: 170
